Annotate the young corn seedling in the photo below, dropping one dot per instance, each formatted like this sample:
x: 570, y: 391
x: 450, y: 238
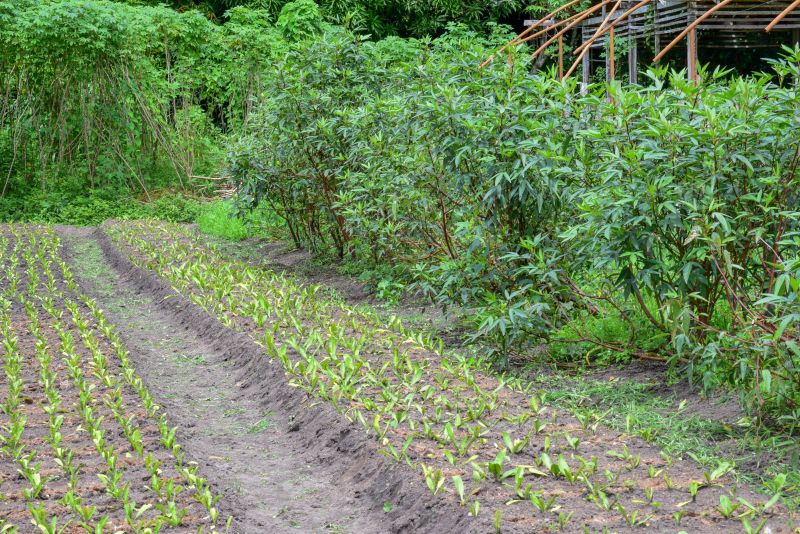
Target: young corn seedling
x: 631, y: 461
x: 433, y: 478
x: 542, y: 503
x: 757, y: 510
x: 632, y: 518
x: 474, y: 508
x: 653, y: 471
x: 37, y: 483
x: 495, y: 467
x: 133, y: 516
x: 45, y: 524
x: 498, y: 521
x: 727, y: 507
x: 711, y: 477
x: 458, y: 484
x: 84, y: 512
x: 514, y: 446
x: 572, y: 442
x: 171, y: 513
x: 749, y: 528
x: 394, y: 454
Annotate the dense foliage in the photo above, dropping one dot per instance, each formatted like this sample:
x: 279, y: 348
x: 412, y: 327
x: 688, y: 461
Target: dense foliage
x: 138, y: 96
x: 659, y: 222
x: 383, y: 17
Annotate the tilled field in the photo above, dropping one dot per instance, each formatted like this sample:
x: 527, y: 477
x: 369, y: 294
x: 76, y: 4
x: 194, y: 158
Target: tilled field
x: 85, y: 447
x: 492, y: 446
x: 294, y: 411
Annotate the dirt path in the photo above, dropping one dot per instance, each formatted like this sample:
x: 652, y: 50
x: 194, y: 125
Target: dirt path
x: 282, y: 462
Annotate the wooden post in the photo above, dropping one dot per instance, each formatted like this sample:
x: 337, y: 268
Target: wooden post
x: 587, y: 67
x: 611, y: 73
x: 656, y: 36
x: 691, y: 55
x: 633, y: 55
x: 608, y: 65
x: 561, y: 57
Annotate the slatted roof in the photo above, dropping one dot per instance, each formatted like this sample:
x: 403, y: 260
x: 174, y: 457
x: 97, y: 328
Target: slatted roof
x: 722, y: 24
x: 738, y: 24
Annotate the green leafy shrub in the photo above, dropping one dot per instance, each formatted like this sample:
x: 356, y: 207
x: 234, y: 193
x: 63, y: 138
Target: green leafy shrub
x: 299, y: 20
x: 625, y: 222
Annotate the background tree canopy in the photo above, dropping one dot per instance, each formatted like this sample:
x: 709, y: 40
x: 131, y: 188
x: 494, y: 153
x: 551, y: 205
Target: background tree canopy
x: 380, y: 18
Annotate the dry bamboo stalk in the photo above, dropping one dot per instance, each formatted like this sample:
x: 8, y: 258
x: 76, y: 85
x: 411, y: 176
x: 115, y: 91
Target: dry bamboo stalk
x: 782, y: 15
x: 600, y: 28
x: 690, y: 27
x: 516, y: 40
x: 596, y: 34
x: 616, y: 21
x: 577, y: 21
x: 551, y: 28
x: 691, y: 58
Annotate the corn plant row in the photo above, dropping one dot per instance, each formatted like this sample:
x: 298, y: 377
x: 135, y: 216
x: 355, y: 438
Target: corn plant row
x: 189, y: 472
x: 440, y: 414
x: 170, y: 513
x: 92, y: 423
x: 64, y: 456
x: 12, y: 446
x: 49, y: 280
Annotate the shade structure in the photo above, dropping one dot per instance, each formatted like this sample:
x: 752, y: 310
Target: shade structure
x: 721, y: 24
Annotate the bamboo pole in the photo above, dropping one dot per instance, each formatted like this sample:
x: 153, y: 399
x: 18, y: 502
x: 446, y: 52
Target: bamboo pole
x: 515, y: 40
x: 616, y: 21
x: 544, y: 19
x: 550, y: 28
x: 691, y: 55
x: 600, y: 27
x: 577, y: 21
x: 561, y: 58
x: 691, y: 27
x: 586, y: 49
x: 782, y: 15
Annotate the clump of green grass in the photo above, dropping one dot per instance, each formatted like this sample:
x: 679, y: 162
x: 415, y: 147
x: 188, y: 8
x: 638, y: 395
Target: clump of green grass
x: 261, y: 425
x: 218, y: 219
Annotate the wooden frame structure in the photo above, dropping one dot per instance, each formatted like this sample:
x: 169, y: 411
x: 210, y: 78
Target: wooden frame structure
x: 720, y: 23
